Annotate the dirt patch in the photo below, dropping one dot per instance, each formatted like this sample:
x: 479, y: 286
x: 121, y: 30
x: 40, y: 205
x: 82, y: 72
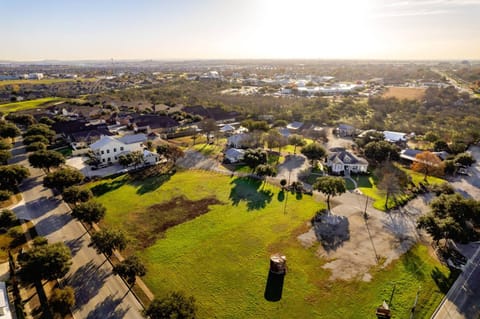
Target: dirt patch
x: 353, y: 246
x: 156, y: 219
x: 405, y: 93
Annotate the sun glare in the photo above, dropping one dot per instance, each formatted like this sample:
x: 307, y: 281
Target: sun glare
x: 311, y: 29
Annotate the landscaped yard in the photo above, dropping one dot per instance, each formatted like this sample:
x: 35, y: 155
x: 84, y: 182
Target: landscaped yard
x: 367, y: 185
x: 221, y: 257
x: 26, y: 105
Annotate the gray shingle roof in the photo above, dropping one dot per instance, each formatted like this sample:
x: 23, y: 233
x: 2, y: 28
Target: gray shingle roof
x: 130, y: 139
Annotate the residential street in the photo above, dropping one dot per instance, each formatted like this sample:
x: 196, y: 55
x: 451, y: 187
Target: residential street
x: 461, y: 301
x: 98, y: 293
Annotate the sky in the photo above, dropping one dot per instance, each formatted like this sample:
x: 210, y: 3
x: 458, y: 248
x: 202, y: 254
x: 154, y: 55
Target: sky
x: 239, y: 29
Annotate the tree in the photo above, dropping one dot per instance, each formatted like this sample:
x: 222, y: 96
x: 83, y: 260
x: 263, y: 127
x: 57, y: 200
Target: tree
x: 330, y: 186
x: 313, y: 151
x: 106, y: 241
x: 62, y: 178
x: 8, y: 130
x: 428, y: 164
x: 392, y: 181
x: 253, y: 125
x: 40, y: 129
x: 174, y: 305
x: 7, y: 218
x: 129, y: 268
x: 133, y: 158
x: 296, y: 140
x: 255, y: 157
x: 440, y: 146
x: 465, y: 159
x: 170, y: 152
x: 370, y: 136
x: 89, y: 212
x: 36, y: 146
x: 431, y: 137
x: 46, y: 159
x: 208, y: 126
x: 22, y: 119
x: 46, y: 262
x: 272, y: 138
x: 381, y: 151
x: 452, y: 217
x: 12, y: 175
x: 46, y: 120
x: 4, y: 157
x: 62, y: 300
x: 264, y: 170
x: 5, y: 144
x: 76, y: 194
x: 280, y: 123
x: 35, y: 138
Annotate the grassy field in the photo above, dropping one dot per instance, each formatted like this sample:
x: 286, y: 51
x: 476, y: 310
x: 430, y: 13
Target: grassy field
x: 222, y: 256
x: 405, y: 93
x: 26, y: 105
x: 42, y: 81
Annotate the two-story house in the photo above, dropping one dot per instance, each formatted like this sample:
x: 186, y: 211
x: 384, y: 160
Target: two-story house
x: 107, y: 149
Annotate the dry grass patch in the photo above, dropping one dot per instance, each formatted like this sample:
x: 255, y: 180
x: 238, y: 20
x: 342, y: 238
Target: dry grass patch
x: 405, y: 93
x: 162, y: 216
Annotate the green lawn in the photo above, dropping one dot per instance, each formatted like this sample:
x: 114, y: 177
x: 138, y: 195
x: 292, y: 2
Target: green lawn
x: 367, y: 185
x: 26, y: 105
x: 42, y: 81
x: 211, y: 149
x: 222, y: 257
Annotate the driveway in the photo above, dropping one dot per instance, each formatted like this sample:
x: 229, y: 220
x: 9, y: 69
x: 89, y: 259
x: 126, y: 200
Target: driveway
x: 291, y: 167
x: 98, y: 293
x: 79, y: 162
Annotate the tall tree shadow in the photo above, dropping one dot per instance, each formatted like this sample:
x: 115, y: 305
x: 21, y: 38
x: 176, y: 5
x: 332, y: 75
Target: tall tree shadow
x: 106, y: 187
x: 153, y: 183
x: 274, y: 287
x: 109, y: 309
x: 75, y: 245
x: 443, y: 282
x: 249, y: 191
x: 87, y: 281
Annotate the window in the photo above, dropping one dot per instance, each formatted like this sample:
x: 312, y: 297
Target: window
x: 121, y: 148
x: 108, y: 151
x: 108, y: 159
x: 103, y: 152
x: 116, y: 158
x: 114, y: 150
x: 103, y: 160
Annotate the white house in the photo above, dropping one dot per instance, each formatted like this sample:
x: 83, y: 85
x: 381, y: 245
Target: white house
x: 150, y: 158
x: 395, y: 137
x: 107, y: 149
x: 5, y: 312
x: 237, y: 140
x: 234, y: 155
x: 340, y: 161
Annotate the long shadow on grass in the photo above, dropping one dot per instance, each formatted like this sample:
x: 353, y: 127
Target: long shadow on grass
x: 443, y: 282
x: 274, y: 286
x: 413, y: 264
x: 106, y: 187
x: 248, y: 190
x: 151, y: 184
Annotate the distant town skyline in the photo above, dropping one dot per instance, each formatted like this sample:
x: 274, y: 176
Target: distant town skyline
x: 226, y: 29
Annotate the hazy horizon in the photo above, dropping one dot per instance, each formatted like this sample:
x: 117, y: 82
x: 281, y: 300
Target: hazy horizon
x: 422, y: 30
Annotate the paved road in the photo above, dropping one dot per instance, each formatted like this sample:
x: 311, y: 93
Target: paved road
x: 99, y: 294
x: 461, y: 301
